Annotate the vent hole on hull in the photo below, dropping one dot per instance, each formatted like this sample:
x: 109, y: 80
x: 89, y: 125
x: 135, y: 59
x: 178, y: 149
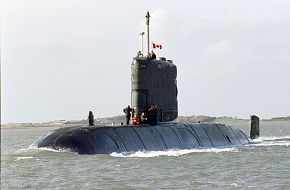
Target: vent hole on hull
x: 228, y: 139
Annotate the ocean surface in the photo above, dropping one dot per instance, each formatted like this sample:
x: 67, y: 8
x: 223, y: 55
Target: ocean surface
x: 263, y: 165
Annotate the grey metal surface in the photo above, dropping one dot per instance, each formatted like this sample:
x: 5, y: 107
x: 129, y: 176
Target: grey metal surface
x: 255, y: 131
x: 154, y: 82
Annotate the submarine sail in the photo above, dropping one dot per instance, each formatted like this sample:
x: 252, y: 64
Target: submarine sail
x: 154, y: 82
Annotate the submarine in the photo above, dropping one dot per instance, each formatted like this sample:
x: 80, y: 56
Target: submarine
x: 153, y: 82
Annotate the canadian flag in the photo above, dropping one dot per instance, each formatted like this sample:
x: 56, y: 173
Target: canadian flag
x: 159, y: 46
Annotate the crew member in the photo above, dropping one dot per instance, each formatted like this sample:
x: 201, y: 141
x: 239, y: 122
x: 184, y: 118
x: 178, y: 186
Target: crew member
x: 127, y: 112
x: 139, y: 54
x: 153, y: 55
x: 149, y: 56
x: 91, y: 118
x: 143, y: 118
x: 152, y: 114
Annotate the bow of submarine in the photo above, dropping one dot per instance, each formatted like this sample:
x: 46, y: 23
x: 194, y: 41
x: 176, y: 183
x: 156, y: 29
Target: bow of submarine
x: 74, y: 139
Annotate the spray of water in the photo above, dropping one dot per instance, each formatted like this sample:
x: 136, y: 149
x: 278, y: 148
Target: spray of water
x: 149, y: 154
x: 271, y: 141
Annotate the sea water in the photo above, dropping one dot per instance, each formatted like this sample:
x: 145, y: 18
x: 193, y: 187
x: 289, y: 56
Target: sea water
x: 262, y: 165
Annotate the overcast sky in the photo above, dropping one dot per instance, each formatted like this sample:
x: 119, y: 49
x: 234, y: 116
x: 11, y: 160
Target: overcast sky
x: 62, y: 58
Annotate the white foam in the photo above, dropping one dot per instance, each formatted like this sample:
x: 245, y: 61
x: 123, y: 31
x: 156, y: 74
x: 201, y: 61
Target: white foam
x: 271, y: 138
x: 234, y: 184
x: 33, y: 148
x: 271, y: 141
x: 273, y: 144
x: 23, y: 158
x: 150, y: 154
x: 52, y: 150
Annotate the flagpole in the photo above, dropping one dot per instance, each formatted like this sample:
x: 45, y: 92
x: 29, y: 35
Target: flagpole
x: 147, y: 23
x: 142, y: 33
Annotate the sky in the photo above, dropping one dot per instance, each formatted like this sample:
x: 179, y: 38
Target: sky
x: 62, y: 58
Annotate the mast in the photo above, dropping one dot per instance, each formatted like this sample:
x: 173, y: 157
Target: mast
x: 147, y: 23
x: 142, y: 33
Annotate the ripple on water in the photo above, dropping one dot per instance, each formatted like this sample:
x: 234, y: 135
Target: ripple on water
x: 262, y: 165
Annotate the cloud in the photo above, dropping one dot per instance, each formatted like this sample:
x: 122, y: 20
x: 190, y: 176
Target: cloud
x: 237, y: 20
x: 221, y: 48
x: 83, y: 51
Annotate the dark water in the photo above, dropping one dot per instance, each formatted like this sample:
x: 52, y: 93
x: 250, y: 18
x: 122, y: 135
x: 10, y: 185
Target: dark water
x: 264, y: 165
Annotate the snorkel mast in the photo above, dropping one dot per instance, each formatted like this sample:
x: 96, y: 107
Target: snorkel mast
x: 147, y: 23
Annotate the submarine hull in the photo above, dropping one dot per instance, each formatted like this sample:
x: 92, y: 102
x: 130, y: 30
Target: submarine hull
x: 130, y: 138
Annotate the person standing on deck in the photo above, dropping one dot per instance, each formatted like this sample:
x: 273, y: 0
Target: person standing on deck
x: 127, y: 112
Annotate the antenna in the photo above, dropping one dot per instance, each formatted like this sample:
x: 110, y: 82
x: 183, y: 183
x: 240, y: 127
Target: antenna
x: 147, y: 23
x: 142, y: 33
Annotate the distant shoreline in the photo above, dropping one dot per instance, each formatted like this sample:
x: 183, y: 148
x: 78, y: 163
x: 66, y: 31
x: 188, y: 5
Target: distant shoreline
x: 116, y: 120
x: 223, y: 119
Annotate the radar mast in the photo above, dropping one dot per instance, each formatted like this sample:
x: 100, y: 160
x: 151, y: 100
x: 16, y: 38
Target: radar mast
x: 147, y: 23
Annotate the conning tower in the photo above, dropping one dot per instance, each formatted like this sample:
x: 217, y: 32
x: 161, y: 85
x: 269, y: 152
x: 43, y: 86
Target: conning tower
x: 154, y: 82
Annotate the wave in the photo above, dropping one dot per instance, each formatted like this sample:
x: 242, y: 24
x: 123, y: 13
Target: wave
x: 261, y: 141
x: 173, y: 152
x: 52, y: 150
x: 272, y: 138
x: 23, y: 158
x: 34, y: 148
x: 271, y: 141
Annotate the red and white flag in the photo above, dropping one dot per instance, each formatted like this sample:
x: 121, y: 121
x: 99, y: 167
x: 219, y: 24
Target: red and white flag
x: 159, y: 46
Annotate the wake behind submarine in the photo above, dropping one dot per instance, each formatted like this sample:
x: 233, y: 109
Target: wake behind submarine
x: 153, y: 82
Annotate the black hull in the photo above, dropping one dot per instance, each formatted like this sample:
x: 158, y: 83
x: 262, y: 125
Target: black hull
x: 161, y: 137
